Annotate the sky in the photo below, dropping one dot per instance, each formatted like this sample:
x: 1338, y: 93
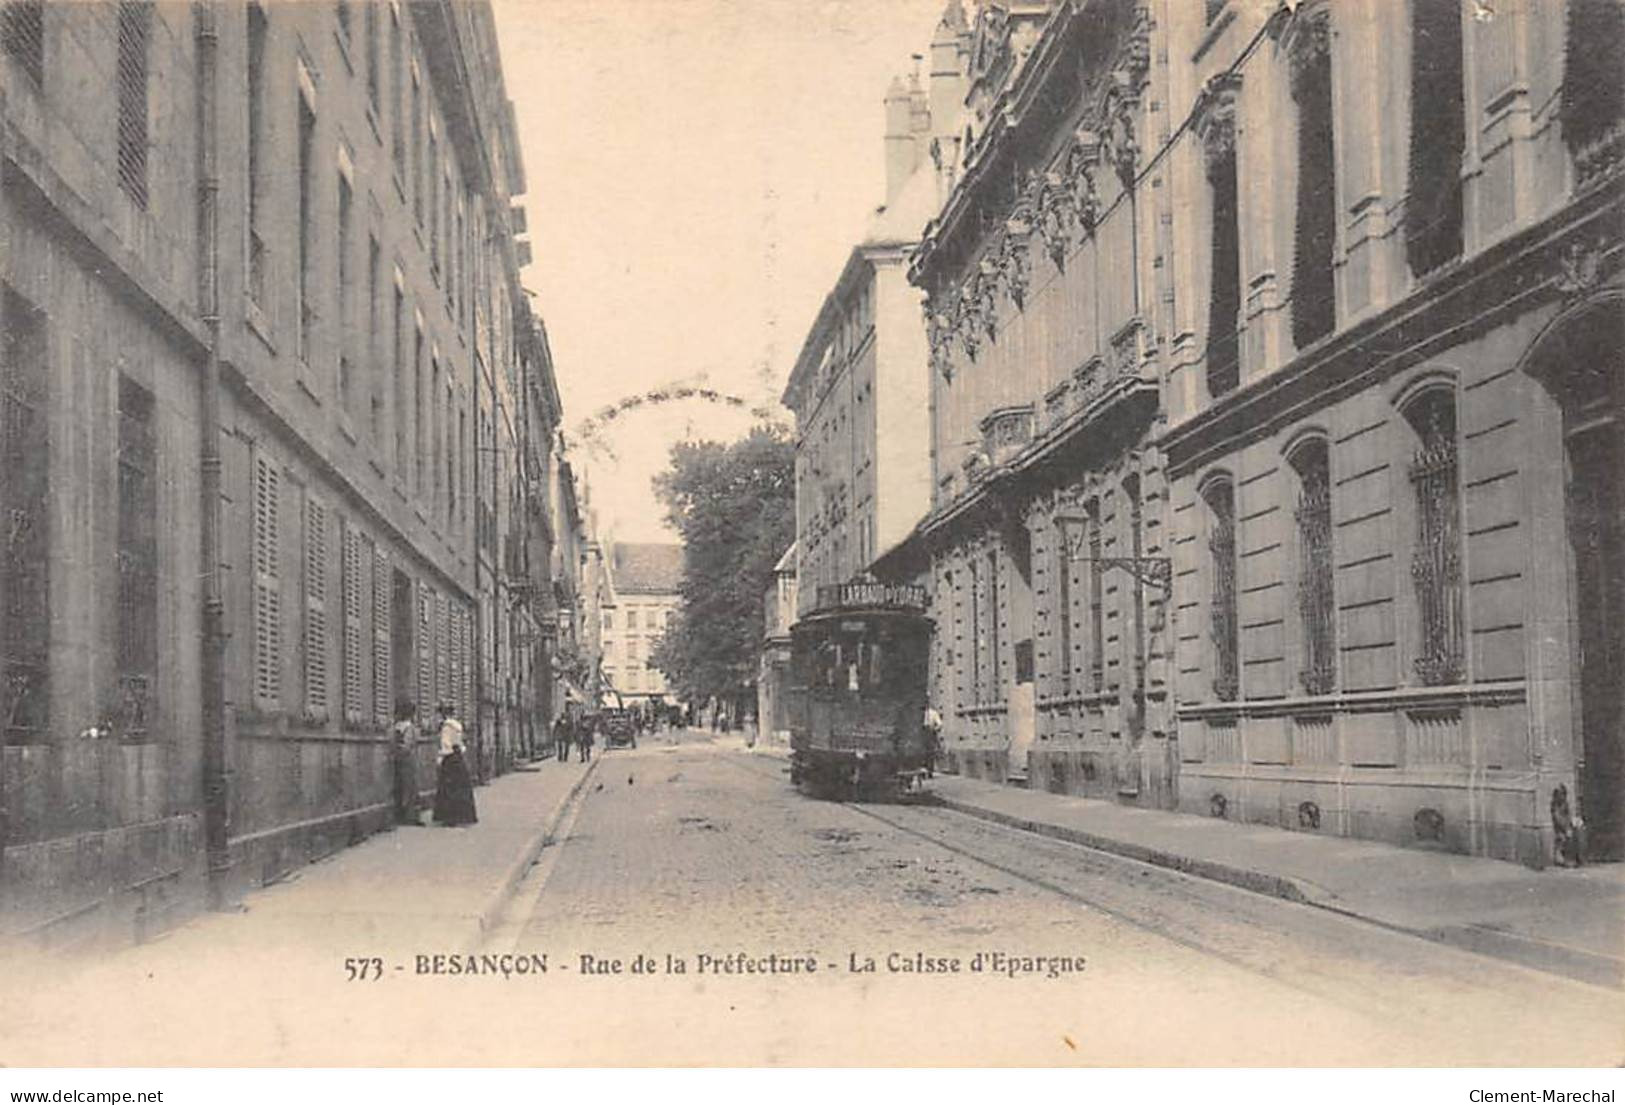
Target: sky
x: 697, y: 172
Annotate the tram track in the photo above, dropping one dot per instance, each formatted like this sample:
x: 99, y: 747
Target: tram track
x: 1331, y: 958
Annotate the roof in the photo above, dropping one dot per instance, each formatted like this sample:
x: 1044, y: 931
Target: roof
x: 646, y: 569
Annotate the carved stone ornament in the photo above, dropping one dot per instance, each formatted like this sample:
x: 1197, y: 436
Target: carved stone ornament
x: 1305, y: 35
x: 1054, y: 216
x: 1216, y: 117
x: 1580, y: 268
x: 1119, y: 143
x: 965, y: 326
x: 939, y: 336
x: 1080, y: 167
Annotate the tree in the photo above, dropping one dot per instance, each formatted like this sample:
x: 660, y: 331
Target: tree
x: 734, y: 506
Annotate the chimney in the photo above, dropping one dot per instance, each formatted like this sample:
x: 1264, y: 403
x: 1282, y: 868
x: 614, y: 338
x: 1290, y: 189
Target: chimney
x: 950, y: 57
x: 902, y: 151
x: 919, y: 121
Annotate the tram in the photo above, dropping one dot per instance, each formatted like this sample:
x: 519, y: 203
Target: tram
x: 857, y: 692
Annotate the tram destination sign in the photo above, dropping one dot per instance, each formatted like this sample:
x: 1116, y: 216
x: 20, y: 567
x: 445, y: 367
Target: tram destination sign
x: 870, y: 593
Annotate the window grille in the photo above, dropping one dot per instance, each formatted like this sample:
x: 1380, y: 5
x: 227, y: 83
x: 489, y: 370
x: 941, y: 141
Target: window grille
x: 1436, y: 562
x: 1433, y: 207
x: 1223, y: 623
x: 137, y: 561
x: 995, y: 673
x: 1063, y: 613
x: 1317, y: 610
x: 354, y: 695
x: 316, y: 558
x: 25, y: 538
x: 22, y: 35
x: 1224, y: 297
x: 1097, y: 602
x: 1314, y: 307
x: 267, y: 585
x: 134, y: 28
x: 383, y: 658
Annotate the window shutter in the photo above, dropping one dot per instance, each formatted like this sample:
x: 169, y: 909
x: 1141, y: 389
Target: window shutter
x: 425, y: 640
x: 442, y: 650
x: 316, y: 696
x: 354, y: 702
x: 381, y: 618
x: 267, y: 587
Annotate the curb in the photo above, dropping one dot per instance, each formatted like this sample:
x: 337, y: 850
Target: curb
x: 515, y: 873
x: 1275, y: 886
x: 1555, y: 959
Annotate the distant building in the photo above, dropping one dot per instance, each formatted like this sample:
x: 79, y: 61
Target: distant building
x: 773, y: 675
x: 860, y: 386
x: 644, y: 585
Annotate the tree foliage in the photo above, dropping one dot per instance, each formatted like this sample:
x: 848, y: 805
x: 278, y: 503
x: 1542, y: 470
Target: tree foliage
x: 734, y: 506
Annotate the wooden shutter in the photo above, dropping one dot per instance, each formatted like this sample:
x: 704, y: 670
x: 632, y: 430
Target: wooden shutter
x: 267, y: 586
x: 354, y: 602
x: 425, y: 639
x: 382, y: 607
x: 316, y: 692
x: 442, y: 650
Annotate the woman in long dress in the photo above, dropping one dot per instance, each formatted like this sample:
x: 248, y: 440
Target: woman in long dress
x: 454, y: 793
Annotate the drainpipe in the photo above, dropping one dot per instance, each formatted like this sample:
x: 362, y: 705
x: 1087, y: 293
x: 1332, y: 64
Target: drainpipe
x: 216, y: 811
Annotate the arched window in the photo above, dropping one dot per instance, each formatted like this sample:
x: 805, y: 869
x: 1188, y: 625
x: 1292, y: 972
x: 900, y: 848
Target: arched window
x: 1317, y: 606
x: 1223, y: 623
x: 1436, y: 568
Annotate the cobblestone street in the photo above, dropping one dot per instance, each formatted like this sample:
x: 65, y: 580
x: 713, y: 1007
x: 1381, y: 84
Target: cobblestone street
x: 675, y: 842
x: 809, y: 932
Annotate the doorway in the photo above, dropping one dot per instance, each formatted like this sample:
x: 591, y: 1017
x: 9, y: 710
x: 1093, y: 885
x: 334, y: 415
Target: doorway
x: 1589, y: 381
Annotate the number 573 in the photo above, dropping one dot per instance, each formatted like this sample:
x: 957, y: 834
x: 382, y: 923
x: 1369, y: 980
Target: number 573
x: 362, y: 968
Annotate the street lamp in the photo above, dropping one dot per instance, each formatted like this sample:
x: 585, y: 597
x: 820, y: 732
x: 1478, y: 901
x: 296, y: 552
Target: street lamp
x: 1154, y: 571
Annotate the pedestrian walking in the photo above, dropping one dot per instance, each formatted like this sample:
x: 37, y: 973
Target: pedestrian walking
x: 584, y: 738
x: 404, y: 754
x: 454, y: 794
x: 563, y: 737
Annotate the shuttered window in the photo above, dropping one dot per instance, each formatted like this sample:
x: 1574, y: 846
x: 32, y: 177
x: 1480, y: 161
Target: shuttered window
x: 267, y: 585
x: 316, y: 559
x: 442, y: 650
x: 425, y: 639
x: 22, y: 35
x: 134, y: 29
x: 355, y: 599
x: 382, y: 620
x: 1224, y: 295
x: 1314, y: 309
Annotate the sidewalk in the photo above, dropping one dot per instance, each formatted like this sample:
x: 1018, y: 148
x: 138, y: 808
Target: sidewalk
x: 404, y: 890
x: 1569, y: 922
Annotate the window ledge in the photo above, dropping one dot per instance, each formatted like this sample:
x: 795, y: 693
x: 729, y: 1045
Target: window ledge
x: 306, y: 381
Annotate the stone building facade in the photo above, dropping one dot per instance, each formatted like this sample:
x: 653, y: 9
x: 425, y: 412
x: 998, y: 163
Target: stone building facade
x: 1050, y: 320
x: 1276, y: 412
x: 292, y: 222
x: 1395, y: 454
